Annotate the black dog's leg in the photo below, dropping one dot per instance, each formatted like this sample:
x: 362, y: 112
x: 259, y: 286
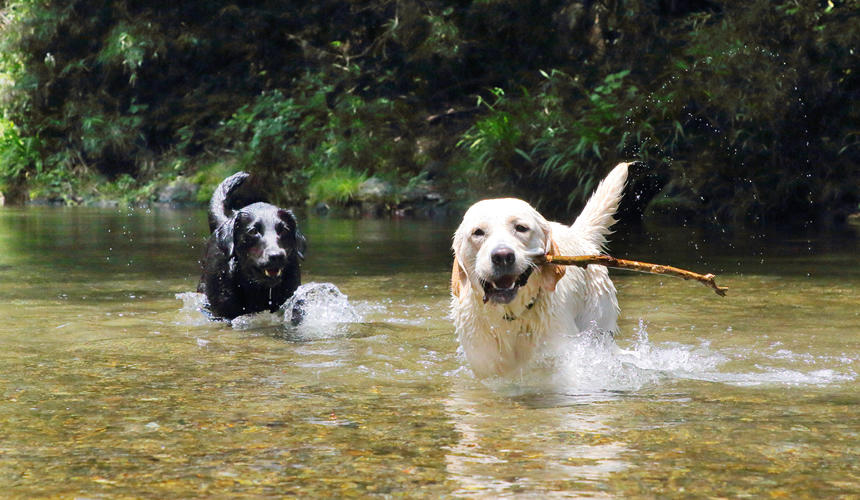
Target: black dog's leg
x: 297, y: 315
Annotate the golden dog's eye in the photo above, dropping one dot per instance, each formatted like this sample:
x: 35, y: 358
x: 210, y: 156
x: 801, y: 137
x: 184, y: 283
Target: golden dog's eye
x: 478, y: 232
x: 521, y: 228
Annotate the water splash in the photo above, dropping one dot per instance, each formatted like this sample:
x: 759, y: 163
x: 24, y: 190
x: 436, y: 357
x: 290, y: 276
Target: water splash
x: 264, y: 319
x: 315, y: 311
x: 194, y: 309
x: 593, y: 364
x: 588, y: 364
x: 321, y: 311
x: 195, y: 312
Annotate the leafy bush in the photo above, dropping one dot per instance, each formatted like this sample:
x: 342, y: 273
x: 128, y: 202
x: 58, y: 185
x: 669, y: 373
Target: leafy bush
x: 762, y: 93
x: 311, y: 146
x: 553, y: 146
x: 737, y: 111
x: 336, y: 186
x: 18, y: 156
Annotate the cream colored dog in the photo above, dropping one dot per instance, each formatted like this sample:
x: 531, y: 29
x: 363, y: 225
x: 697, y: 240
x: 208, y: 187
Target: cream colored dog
x: 507, y: 309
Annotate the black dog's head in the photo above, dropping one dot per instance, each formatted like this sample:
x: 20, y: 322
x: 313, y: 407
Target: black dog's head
x: 266, y: 242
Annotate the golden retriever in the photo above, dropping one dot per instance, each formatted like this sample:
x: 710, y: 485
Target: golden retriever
x: 506, y: 308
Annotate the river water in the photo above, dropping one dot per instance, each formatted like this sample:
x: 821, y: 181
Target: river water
x: 115, y: 385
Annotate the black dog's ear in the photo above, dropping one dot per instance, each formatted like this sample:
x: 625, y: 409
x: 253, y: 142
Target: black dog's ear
x: 301, y: 244
x: 239, y: 224
x: 291, y: 222
x: 288, y: 218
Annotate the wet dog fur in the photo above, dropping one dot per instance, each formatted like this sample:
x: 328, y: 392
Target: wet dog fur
x: 251, y: 262
x: 507, y: 307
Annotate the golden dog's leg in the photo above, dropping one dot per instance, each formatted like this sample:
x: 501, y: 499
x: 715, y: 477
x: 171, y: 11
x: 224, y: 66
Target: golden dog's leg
x: 633, y: 265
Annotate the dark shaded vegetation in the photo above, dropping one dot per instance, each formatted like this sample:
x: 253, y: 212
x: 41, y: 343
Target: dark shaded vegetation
x: 739, y: 112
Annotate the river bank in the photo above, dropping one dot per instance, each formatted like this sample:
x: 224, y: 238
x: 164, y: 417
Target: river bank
x: 424, y: 198
x: 373, y: 197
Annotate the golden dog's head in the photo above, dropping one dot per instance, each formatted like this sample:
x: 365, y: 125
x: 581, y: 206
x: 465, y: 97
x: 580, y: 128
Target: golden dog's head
x: 496, y: 250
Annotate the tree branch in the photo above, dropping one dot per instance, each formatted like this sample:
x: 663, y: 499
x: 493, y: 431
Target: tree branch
x: 633, y: 265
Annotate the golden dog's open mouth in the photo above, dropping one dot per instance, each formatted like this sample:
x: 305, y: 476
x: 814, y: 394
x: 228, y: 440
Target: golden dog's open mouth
x: 503, y: 289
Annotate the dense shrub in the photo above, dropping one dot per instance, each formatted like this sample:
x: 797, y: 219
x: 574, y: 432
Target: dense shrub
x: 763, y: 94
x: 556, y: 145
x: 739, y: 113
x: 18, y: 156
x: 735, y: 111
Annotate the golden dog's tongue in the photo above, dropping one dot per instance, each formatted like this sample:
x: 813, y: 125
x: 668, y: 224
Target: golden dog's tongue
x: 502, y: 290
x: 504, y: 282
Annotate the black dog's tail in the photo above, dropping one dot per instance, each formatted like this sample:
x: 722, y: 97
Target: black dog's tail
x: 228, y: 197
x: 220, y: 207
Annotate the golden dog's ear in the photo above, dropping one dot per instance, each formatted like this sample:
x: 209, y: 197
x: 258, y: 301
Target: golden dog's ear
x: 458, y: 276
x: 551, y: 274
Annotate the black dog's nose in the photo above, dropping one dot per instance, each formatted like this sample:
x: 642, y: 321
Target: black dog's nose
x: 503, y: 256
x: 276, y: 258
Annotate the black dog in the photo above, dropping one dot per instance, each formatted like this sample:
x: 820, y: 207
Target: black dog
x: 252, y: 258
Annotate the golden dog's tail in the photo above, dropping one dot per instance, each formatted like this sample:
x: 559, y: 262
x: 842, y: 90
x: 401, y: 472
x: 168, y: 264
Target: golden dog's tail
x: 598, y: 215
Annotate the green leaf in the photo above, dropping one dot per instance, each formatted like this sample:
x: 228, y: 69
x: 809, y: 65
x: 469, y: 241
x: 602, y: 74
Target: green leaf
x: 523, y: 154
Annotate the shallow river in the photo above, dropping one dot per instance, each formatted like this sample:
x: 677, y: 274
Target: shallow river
x: 115, y: 385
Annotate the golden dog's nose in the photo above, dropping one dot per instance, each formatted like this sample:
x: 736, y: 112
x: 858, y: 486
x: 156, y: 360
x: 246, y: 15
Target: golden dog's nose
x: 503, y: 256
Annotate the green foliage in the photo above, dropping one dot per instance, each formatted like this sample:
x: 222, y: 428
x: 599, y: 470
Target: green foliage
x: 209, y: 175
x: 760, y: 96
x: 552, y: 145
x: 312, y: 147
x: 493, y: 141
x: 335, y: 186
x: 736, y: 111
x: 18, y: 155
x: 129, y: 45
x: 266, y: 128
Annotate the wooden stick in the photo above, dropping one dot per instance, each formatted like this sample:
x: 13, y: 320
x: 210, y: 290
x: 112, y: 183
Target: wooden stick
x: 633, y: 265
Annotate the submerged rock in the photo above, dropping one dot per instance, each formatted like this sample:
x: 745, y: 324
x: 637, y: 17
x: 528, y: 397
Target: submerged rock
x: 374, y: 190
x: 321, y: 208
x: 374, y: 195
x: 106, y: 203
x: 179, y: 192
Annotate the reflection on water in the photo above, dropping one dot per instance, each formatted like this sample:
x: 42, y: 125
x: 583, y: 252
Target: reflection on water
x: 116, y: 384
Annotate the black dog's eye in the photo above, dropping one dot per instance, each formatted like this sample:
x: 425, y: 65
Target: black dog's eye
x: 281, y: 228
x: 478, y: 232
x: 253, y: 231
x: 521, y: 228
